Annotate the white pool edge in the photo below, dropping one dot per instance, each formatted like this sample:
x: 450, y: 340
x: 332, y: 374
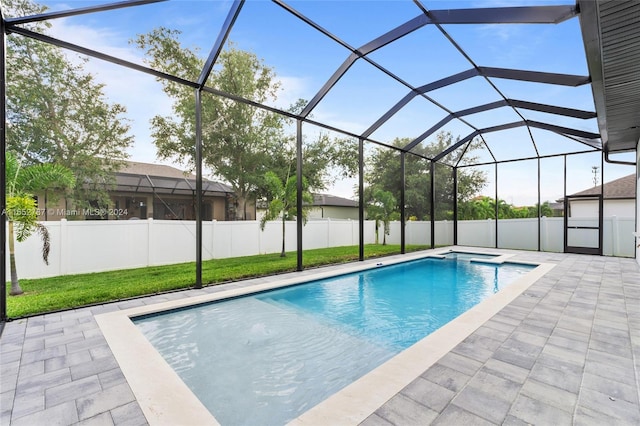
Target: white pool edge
x: 166, y: 400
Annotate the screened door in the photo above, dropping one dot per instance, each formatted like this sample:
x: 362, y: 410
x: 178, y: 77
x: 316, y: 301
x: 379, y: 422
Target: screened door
x: 583, y: 224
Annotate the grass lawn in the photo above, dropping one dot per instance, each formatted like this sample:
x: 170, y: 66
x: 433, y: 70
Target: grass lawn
x: 72, y: 291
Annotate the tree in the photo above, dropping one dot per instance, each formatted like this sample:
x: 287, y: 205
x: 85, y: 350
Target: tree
x: 484, y: 207
x: 324, y: 160
x: 283, y: 201
x: 381, y: 207
x: 237, y: 138
x: 240, y: 142
x: 477, y: 209
x: 383, y: 172
x: 545, y: 210
x: 58, y: 113
x: 21, y: 211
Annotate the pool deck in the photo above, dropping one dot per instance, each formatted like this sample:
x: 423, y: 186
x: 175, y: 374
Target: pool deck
x: 566, y: 351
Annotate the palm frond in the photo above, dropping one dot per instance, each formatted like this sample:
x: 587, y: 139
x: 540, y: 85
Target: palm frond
x: 46, y: 241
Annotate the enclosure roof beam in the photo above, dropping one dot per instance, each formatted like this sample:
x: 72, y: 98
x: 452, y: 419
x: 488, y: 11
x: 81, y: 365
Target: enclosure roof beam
x: 536, y: 76
x: 493, y: 15
x: 429, y: 132
x: 510, y: 74
x: 450, y: 117
x: 394, y: 34
x: 505, y: 15
x: 337, y: 75
x: 220, y: 41
x: 78, y: 11
x: 564, y: 131
x: 552, y: 109
x: 573, y: 11
x: 588, y: 138
x: 345, y: 66
x: 469, y: 137
x: 364, y: 50
x: 570, y: 112
x: 545, y: 14
x: 528, y: 158
x: 170, y: 77
x: 455, y: 78
x: 99, y: 55
x: 456, y: 145
x: 482, y: 108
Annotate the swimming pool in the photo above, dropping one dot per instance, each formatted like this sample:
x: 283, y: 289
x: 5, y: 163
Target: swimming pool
x: 165, y: 399
x: 267, y: 358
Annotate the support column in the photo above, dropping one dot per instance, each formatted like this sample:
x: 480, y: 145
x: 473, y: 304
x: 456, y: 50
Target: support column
x: 432, y: 213
x: 3, y: 183
x: 361, y: 199
x: 403, y: 219
x: 299, y: 220
x: 455, y: 206
x: 198, y: 158
x: 497, y: 209
x: 539, y: 208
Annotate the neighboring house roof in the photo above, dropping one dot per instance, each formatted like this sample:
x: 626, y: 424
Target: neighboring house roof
x: 622, y: 188
x: 327, y: 200
x: 147, y: 178
x: 556, y: 206
x: 160, y: 170
x: 322, y: 200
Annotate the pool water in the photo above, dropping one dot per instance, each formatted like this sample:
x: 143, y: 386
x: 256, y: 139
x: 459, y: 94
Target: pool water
x: 267, y: 358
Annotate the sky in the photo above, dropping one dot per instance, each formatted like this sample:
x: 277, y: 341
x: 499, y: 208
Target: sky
x: 303, y: 60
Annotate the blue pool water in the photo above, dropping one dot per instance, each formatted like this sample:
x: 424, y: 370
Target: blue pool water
x: 267, y: 358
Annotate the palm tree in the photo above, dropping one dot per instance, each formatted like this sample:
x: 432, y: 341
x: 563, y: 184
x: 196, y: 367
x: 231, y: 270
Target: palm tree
x: 381, y: 208
x: 22, y: 213
x: 283, y: 202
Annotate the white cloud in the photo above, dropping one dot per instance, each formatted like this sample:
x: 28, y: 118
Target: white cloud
x: 291, y: 89
x: 140, y: 93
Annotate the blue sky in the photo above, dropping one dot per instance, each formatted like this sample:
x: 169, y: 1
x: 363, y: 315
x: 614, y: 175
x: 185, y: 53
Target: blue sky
x: 303, y: 60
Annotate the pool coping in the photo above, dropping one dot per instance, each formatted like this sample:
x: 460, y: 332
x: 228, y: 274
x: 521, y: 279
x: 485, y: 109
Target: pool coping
x: 166, y: 400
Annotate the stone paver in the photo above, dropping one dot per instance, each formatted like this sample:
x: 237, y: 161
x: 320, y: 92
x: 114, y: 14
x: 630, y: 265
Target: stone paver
x: 567, y: 355
x: 565, y: 352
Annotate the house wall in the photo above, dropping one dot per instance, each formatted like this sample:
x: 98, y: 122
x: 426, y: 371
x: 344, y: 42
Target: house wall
x: 589, y: 208
x: 50, y: 209
x: 219, y: 208
x: 334, y: 212
x: 638, y: 203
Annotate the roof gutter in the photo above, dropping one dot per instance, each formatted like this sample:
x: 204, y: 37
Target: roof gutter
x: 624, y: 163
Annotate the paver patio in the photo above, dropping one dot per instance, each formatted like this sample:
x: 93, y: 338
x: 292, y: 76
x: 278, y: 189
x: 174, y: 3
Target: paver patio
x: 566, y: 351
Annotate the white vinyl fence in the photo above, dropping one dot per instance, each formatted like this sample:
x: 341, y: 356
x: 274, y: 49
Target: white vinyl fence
x: 94, y: 246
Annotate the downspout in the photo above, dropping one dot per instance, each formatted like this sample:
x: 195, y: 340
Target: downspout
x: 626, y: 163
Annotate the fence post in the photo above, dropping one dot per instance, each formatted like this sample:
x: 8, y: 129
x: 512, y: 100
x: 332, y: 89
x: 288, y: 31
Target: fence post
x: 446, y: 231
x: 491, y: 233
x: 329, y: 243
x: 150, y: 245
x: 214, y: 230
x: 615, y: 235
x: 351, y: 230
x: 64, y: 250
x: 543, y: 233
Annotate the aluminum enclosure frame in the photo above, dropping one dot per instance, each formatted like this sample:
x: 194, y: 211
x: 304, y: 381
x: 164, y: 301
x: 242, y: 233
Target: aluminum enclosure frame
x: 506, y: 15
